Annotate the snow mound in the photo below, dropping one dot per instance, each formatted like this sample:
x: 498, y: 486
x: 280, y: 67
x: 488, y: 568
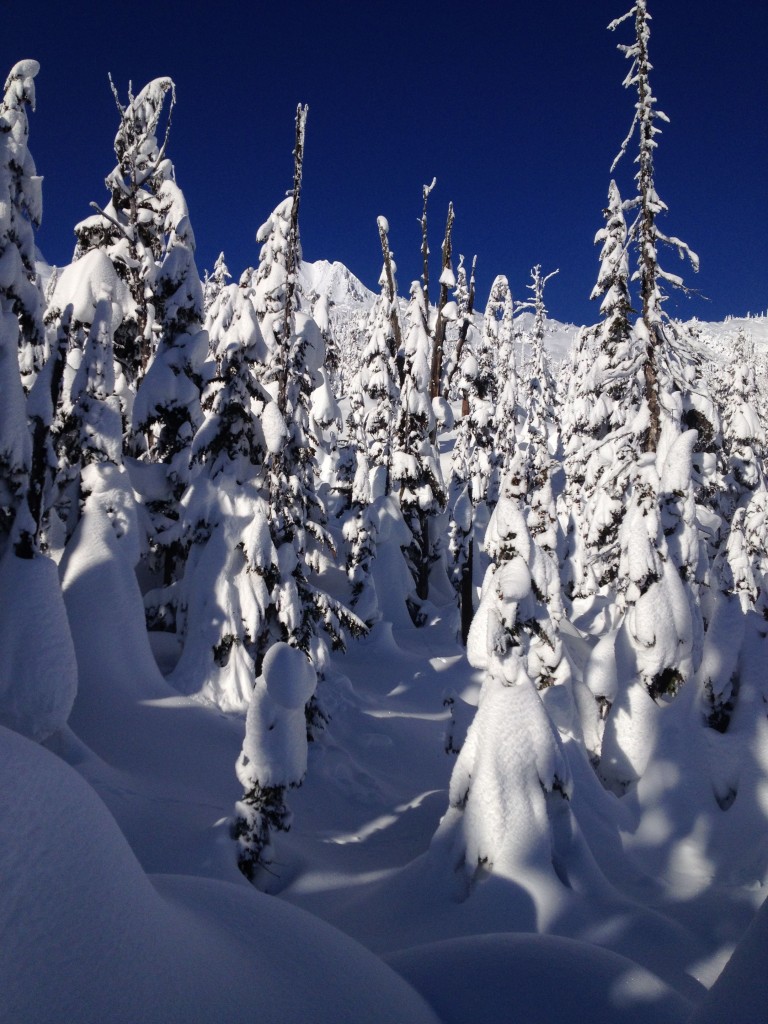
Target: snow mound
x: 289, y: 676
x: 38, y: 671
x: 741, y: 992
x: 94, y: 938
x: 539, y: 978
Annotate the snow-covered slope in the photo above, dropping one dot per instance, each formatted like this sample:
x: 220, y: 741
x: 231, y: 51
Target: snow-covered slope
x: 351, y: 301
x: 88, y: 936
x: 336, y: 282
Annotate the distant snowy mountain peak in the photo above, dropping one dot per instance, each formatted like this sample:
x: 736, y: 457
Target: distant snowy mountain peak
x: 336, y: 282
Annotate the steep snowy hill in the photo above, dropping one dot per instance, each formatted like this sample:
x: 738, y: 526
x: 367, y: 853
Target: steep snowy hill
x: 349, y: 302
x: 336, y: 282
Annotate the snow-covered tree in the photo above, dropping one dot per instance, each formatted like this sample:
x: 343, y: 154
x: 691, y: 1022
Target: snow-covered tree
x: 472, y: 459
x: 21, y: 328
x: 166, y: 411
x: 159, y: 343
x: 511, y: 785
x: 93, y: 430
x: 298, y: 608
x: 22, y: 207
x: 38, y: 671
x: 540, y: 443
x: 603, y: 435
x: 541, y: 428
x: 130, y: 228
x: 645, y: 232
x: 274, y: 754
x: 379, y: 379
x: 499, y: 337
x: 445, y: 311
x: 744, y: 439
x: 658, y: 645
x: 231, y: 563
x: 416, y: 471
x: 214, y: 283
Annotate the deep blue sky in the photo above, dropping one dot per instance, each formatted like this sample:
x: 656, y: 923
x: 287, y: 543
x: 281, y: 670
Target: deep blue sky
x: 517, y: 109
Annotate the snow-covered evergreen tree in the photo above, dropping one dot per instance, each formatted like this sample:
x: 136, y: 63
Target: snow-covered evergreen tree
x: 379, y: 379
x: 274, y: 754
x: 644, y: 231
x: 659, y: 643
x: 294, y: 356
x: 416, y: 471
x: 21, y: 193
x: 602, y: 433
x: 231, y: 566
x: 94, y: 425
x: 166, y: 411
x: 21, y: 328
x: 511, y: 785
x: 130, y: 228
x: 744, y: 439
x: 499, y: 337
x: 214, y: 283
x: 472, y: 460
x: 38, y: 671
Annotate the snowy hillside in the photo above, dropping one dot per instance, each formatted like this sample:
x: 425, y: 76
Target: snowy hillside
x: 350, y: 303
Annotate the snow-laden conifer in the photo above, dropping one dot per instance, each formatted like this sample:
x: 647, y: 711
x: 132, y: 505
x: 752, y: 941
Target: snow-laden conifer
x: 540, y: 444
x: 214, y: 282
x: 296, y: 610
x: 743, y: 434
x: 511, y: 785
x: 658, y: 645
x: 130, y: 228
x: 38, y: 671
x: 445, y: 311
x: 473, y: 453
x: 274, y: 754
x: 416, y: 474
x: 499, y: 337
x: 21, y: 328
x: 94, y: 425
x: 603, y: 434
x: 22, y: 208
x: 294, y: 357
x: 644, y: 231
x: 379, y: 379
x: 231, y: 564
x: 541, y: 429
x: 167, y: 406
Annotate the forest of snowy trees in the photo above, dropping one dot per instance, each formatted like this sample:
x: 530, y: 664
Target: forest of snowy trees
x: 213, y: 486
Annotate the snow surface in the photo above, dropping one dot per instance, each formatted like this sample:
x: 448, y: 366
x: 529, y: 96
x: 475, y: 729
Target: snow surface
x: 537, y: 978
x: 89, y: 936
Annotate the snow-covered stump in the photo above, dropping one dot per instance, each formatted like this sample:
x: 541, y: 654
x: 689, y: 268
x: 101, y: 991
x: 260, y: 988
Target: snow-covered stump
x: 274, y: 754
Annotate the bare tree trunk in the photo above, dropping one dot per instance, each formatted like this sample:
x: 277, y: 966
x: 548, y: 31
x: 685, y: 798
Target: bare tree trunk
x: 651, y: 375
x: 394, y: 320
x: 426, y: 189
x: 292, y: 267
x: 435, y: 380
x: 466, y: 593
